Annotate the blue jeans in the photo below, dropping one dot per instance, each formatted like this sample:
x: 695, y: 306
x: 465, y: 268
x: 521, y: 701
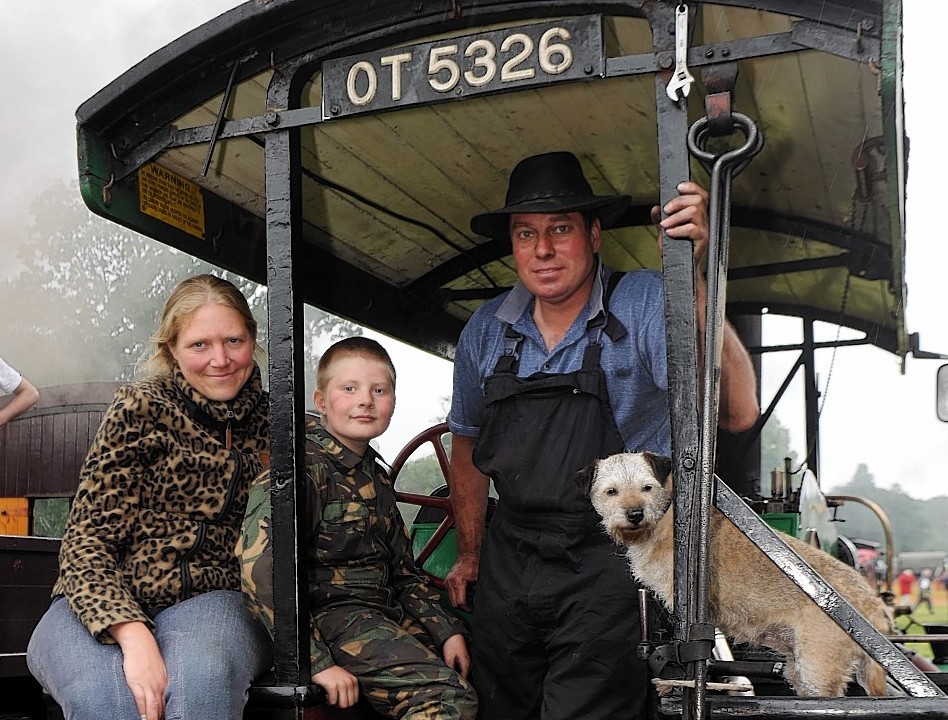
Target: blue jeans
x: 212, y: 648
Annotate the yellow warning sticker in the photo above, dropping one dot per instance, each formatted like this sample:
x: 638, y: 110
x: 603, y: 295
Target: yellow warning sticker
x: 171, y: 198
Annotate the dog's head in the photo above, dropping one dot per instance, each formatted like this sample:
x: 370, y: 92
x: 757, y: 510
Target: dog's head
x: 631, y: 491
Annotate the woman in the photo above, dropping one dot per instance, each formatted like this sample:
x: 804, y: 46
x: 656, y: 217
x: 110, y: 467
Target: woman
x: 147, y: 619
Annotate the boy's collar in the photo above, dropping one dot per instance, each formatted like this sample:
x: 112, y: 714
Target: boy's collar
x: 339, y: 452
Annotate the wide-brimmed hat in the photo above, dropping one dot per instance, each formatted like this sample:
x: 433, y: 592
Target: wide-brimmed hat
x: 549, y: 183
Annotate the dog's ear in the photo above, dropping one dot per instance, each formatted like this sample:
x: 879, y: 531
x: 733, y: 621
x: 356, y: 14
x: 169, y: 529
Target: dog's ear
x: 660, y: 464
x: 584, y: 478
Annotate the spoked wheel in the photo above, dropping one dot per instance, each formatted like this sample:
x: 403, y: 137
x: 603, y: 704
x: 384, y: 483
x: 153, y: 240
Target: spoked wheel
x: 440, y: 502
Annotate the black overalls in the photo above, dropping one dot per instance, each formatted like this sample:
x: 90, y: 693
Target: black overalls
x: 555, y: 612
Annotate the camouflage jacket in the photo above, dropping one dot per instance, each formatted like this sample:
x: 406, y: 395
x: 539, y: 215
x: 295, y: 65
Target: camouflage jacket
x: 359, y: 550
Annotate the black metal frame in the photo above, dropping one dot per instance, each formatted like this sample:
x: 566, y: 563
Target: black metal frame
x: 284, y: 220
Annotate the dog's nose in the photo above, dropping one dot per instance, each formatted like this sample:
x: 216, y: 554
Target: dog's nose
x: 635, y: 515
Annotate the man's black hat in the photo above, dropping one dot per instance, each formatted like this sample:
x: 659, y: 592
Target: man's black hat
x: 549, y: 183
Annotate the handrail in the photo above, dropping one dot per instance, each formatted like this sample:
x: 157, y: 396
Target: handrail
x: 886, y: 528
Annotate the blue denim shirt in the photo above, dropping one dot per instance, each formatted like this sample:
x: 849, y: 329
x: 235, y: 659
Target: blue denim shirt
x: 636, y: 367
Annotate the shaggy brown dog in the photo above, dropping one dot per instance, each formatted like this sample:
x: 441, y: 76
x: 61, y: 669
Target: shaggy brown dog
x: 751, y: 599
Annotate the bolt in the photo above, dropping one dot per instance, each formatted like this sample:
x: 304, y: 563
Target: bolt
x: 271, y: 118
x: 709, y: 54
x: 588, y: 69
x: 725, y: 52
x: 665, y: 61
x: 688, y: 463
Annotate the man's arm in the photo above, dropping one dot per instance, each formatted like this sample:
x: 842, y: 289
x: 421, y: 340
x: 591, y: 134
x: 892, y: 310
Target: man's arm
x: 24, y: 397
x: 469, y: 488
x: 738, y: 407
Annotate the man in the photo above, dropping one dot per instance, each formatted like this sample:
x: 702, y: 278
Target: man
x: 24, y: 394
x: 568, y: 366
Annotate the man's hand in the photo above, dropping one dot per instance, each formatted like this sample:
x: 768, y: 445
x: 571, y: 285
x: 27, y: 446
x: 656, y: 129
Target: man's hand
x: 462, y: 575
x: 341, y: 686
x: 456, y: 654
x: 469, y: 488
x: 686, y: 216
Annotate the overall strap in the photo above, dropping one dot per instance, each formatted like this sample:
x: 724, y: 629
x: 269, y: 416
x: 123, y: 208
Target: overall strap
x: 509, y: 361
x: 614, y: 329
x: 606, y: 322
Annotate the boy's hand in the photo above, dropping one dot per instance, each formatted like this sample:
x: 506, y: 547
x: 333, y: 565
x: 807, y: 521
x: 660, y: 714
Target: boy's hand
x: 456, y: 655
x: 341, y: 686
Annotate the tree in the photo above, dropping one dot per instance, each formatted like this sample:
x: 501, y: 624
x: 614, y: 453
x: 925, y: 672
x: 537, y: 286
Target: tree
x: 421, y: 476
x: 91, y: 293
x: 916, y: 524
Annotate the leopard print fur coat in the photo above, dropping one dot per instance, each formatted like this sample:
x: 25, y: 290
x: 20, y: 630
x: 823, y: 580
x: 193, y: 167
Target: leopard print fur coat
x: 160, y: 501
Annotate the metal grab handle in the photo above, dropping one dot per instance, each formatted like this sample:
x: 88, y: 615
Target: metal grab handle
x: 722, y: 169
x: 700, y: 131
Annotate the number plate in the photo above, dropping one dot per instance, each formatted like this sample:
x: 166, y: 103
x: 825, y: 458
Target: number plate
x: 500, y: 60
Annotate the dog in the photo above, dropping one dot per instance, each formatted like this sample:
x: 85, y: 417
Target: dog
x: 751, y: 600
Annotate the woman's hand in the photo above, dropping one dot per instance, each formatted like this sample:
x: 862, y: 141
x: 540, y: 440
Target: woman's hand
x: 145, y: 671
x: 341, y: 686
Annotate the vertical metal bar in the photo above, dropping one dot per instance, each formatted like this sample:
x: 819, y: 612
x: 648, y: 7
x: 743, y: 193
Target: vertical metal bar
x: 718, y: 222
x: 812, y: 399
x: 285, y: 317
x: 680, y: 324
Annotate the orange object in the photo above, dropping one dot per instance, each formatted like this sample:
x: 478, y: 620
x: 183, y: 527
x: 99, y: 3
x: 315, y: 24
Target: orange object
x: 14, y: 516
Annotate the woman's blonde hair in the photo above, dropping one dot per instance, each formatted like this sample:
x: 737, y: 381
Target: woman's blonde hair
x: 189, y: 295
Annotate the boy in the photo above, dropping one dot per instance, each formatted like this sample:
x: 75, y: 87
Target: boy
x: 375, y: 623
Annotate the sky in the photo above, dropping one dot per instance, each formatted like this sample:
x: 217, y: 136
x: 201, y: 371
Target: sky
x: 59, y: 53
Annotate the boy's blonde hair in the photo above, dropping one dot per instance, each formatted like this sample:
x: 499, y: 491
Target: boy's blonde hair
x: 356, y: 346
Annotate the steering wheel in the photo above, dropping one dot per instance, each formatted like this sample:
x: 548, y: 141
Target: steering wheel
x: 434, y: 436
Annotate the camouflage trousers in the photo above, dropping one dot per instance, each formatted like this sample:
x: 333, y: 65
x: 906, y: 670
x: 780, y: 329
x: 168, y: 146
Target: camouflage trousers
x: 398, y: 673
